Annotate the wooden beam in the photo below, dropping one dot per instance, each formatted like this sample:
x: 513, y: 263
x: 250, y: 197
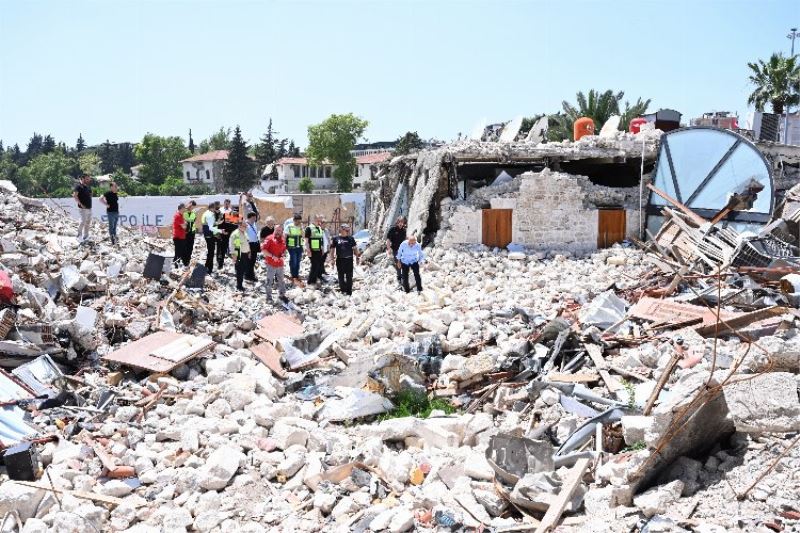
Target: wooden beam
x: 102, y: 498
x: 697, y: 219
x: 556, y: 509
x: 596, y: 355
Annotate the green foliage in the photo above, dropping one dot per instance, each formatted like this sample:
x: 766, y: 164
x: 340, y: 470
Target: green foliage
x: 89, y: 163
x: 240, y: 174
x: 160, y: 158
x: 413, y: 403
x: 47, y: 175
x: 266, y: 151
x: 410, y: 142
x: 777, y: 83
x: 630, y: 390
x: 305, y: 185
x: 599, y: 106
x: 8, y: 169
x: 80, y: 144
x: 331, y: 141
x: 635, y: 447
x: 220, y: 140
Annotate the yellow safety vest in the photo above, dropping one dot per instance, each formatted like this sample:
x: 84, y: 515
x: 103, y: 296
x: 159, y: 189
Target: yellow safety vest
x: 316, y: 238
x: 190, y: 217
x: 236, y: 240
x: 295, y: 234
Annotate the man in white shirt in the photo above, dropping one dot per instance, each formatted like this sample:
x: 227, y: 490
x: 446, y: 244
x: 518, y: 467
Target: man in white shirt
x: 409, y: 257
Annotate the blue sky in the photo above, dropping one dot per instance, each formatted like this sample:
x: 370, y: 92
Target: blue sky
x: 118, y: 69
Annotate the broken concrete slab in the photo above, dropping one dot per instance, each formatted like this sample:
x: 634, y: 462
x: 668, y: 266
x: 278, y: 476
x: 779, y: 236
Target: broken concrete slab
x: 764, y: 403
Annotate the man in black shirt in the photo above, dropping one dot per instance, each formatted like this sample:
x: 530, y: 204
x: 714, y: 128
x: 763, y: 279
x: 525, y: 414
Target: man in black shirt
x: 83, y: 196
x: 395, y: 237
x: 111, y: 200
x: 342, y: 250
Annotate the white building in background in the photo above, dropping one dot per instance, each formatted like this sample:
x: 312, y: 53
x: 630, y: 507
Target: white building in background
x: 205, y: 169
x: 287, y: 172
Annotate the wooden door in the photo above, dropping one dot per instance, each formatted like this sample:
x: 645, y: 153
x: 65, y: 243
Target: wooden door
x: 610, y: 227
x: 496, y: 227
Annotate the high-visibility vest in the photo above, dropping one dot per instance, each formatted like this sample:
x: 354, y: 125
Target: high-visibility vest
x: 295, y: 235
x: 236, y: 241
x: 190, y: 217
x: 316, y: 239
x: 232, y: 217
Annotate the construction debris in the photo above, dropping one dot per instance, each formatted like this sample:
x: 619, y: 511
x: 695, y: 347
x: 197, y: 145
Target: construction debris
x: 626, y: 388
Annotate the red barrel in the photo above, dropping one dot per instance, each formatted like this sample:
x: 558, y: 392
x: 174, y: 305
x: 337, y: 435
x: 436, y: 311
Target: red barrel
x: 583, y: 126
x: 636, y: 124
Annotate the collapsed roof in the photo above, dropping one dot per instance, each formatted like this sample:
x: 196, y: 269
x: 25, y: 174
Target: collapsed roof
x: 415, y: 184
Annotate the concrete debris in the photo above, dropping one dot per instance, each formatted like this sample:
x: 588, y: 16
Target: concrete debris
x: 514, y: 386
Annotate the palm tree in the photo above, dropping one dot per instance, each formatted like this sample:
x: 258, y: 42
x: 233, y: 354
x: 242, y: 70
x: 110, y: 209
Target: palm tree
x: 777, y: 83
x: 597, y: 106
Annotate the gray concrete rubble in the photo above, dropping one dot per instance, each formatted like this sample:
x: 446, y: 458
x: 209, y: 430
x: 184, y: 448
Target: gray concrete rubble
x: 585, y: 390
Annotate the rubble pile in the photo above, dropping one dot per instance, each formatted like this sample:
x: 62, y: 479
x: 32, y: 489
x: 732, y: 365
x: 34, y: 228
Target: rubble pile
x: 603, y: 393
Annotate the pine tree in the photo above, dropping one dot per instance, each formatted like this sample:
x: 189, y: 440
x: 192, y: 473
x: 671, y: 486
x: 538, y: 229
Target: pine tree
x: 239, y: 169
x: 80, y: 144
x: 48, y: 144
x: 107, y: 160
x: 2, y: 150
x: 16, y: 155
x: 266, y: 151
x: 34, y: 147
x: 293, y: 150
x: 282, y: 148
x: 191, y: 141
x: 124, y: 158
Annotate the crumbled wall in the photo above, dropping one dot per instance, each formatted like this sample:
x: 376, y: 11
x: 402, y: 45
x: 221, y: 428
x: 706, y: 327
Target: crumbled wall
x: 551, y: 211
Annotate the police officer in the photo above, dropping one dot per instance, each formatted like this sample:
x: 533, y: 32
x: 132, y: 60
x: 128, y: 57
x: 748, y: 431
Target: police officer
x: 239, y: 251
x: 343, y: 248
x: 314, y: 249
x: 190, y: 216
x: 294, y: 243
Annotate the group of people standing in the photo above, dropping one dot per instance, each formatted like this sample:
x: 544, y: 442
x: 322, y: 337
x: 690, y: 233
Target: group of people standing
x: 226, y: 233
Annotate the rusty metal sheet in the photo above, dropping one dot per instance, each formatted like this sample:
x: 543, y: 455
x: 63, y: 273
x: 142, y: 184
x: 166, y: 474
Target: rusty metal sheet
x: 140, y: 354
x: 278, y: 326
x: 267, y: 354
x: 671, y: 312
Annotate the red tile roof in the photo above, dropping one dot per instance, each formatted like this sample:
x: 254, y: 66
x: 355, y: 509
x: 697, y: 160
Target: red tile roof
x: 214, y: 155
x: 371, y: 159
x: 291, y: 161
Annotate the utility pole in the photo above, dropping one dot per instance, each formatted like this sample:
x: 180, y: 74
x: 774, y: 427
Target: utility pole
x: 792, y: 35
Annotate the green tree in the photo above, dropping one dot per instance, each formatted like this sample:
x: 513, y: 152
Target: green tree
x: 239, y: 172
x: 8, y: 169
x: 305, y: 185
x: 34, y: 147
x: 777, y: 83
x: 107, y: 159
x: 332, y: 140
x: 48, y: 144
x: 80, y: 144
x: 220, y: 140
x: 599, y: 106
x: 160, y: 158
x: 47, y: 175
x: 266, y: 151
x: 89, y: 163
x: 293, y: 151
x: 410, y: 142
x: 191, y: 141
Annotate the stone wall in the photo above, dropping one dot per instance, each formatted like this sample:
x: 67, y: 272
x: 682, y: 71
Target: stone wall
x: 551, y: 211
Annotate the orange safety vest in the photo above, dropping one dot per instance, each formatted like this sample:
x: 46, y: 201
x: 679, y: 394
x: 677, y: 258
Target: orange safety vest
x: 232, y: 217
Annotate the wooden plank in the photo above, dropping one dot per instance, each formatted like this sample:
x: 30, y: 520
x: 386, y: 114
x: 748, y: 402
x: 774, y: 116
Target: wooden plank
x: 740, y: 321
x: 596, y: 355
x: 667, y: 311
x: 571, y: 378
x: 102, y: 498
x: 277, y: 326
x: 571, y: 483
x: 697, y: 219
x: 138, y: 354
x: 267, y: 354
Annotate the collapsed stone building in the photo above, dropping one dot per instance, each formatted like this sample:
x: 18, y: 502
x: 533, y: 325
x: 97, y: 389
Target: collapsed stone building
x: 553, y: 197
